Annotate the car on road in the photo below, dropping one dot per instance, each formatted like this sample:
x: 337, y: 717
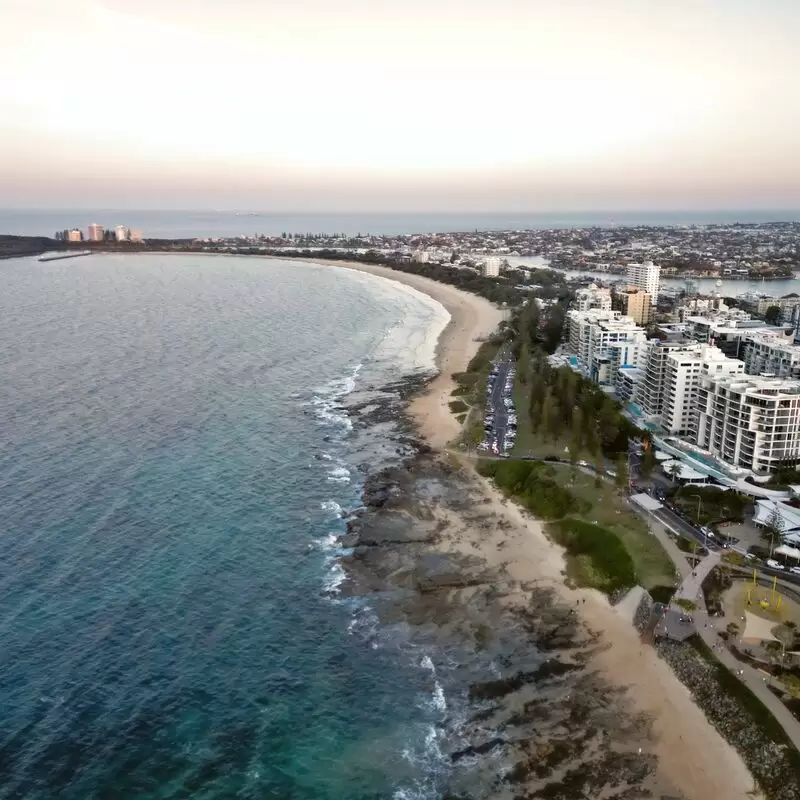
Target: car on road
x: 771, y: 562
x: 794, y: 570
x: 583, y: 463
x: 611, y: 473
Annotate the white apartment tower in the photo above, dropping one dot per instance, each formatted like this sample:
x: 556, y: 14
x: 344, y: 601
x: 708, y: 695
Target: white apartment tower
x: 749, y: 422
x: 74, y: 235
x: 645, y: 276
x: 96, y: 232
x: 122, y: 233
x: 684, y: 370
x: 491, y: 267
x: 592, y: 296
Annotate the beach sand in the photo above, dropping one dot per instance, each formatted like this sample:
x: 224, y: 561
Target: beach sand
x: 472, y: 319
x: 692, y: 757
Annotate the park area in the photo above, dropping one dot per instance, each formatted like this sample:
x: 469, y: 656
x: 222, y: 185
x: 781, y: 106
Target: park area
x: 609, y: 547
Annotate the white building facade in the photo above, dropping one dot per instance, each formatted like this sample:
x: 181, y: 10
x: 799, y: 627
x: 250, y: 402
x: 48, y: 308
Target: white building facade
x: 592, y: 296
x: 769, y: 353
x: 645, y: 276
x: 491, y: 267
x: 684, y: 370
x: 749, y: 422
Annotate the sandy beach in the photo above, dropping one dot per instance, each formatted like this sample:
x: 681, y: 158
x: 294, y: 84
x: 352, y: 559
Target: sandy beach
x: 693, y: 759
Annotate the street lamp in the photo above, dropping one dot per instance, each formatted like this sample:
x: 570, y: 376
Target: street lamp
x: 699, y: 505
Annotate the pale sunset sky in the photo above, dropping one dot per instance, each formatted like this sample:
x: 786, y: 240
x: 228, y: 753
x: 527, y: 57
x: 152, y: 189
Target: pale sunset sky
x: 423, y: 105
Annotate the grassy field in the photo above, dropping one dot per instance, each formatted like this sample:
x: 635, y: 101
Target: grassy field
x: 652, y: 564
x: 529, y: 443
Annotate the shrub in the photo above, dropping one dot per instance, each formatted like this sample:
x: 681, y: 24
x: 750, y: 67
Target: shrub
x: 603, y: 561
x: 532, y: 484
x: 458, y: 407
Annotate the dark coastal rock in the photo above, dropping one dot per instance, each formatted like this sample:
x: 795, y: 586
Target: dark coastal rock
x: 436, y: 571
x: 478, y: 749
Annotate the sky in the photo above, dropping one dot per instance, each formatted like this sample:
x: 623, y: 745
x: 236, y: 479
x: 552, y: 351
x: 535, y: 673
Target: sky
x: 408, y: 105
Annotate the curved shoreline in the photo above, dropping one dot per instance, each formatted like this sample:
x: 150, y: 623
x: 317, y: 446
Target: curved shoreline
x: 692, y: 756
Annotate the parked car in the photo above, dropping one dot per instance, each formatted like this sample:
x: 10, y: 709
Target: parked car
x: 771, y: 562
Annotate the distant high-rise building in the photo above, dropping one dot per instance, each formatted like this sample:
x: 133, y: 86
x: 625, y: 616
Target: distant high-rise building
x: 96, y: 232
x: 645, y: 276
x: 122, y: 233
x: 491, y: 267
x: 136, y: 235
x: 75, y: 235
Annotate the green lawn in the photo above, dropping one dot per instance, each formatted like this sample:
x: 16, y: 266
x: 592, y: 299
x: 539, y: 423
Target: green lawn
x: 653, y: 566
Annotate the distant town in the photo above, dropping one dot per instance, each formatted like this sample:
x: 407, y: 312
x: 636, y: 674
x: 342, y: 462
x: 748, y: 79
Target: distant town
x: 97, y: 233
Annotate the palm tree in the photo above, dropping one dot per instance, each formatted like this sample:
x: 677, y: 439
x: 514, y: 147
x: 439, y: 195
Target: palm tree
x: 674, y: 470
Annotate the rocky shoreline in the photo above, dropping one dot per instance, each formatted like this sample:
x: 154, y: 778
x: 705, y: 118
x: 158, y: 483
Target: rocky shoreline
x: 527, y: 715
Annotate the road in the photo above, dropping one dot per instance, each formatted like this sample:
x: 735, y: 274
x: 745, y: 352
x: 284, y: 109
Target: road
x: 495, y: 402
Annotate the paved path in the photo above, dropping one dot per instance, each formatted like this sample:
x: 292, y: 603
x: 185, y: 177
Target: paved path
x: 691, y: 587
x: 708, y: 628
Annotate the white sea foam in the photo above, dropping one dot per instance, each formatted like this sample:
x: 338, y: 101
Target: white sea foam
x: 339, y: 475
x: 327, y: 400
x: 410, y: 344
x: 335, y: 577
x: 332, y: 507
x: 427, y: 757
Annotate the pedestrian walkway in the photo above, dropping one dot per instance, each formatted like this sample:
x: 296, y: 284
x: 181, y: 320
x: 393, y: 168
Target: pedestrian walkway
x: 691, y: 587
x: 707, y: 628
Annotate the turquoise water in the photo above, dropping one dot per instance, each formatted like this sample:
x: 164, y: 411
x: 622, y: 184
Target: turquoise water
x: 174, y: 455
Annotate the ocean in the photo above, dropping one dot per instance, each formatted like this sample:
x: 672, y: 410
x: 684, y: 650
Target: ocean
x: 177, y: 458
x: 186, y: 224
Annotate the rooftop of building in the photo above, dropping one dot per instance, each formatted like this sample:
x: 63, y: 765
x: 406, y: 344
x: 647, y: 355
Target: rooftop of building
x: 759, y: 384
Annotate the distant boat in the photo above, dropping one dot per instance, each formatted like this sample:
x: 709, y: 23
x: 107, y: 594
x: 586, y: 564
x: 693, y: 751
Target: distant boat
x: 59, y: 256
x: 718, y: 283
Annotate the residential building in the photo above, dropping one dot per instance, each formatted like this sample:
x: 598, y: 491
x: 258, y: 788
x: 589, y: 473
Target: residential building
x: 579, y: 324
x: 136, y: 235
x: 728, y: 331
x: 491, y: 267
x: 592, y: 296
x: 96, y: 232
x: 75, y: 235
x: 636, y: 304
x: 652, y: 391
x: 421, y: 256
x: 748, y: 421
x: 700, y: 306
x: 122, y: 233
x: 629, y: 383
x: 682, y: 375
x: 606, y: 342
x: 645, y: 276
x: 759, y: 304
x: 771, y: 353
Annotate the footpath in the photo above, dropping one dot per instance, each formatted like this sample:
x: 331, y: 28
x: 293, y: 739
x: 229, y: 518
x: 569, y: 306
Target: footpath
x: 690, y: 589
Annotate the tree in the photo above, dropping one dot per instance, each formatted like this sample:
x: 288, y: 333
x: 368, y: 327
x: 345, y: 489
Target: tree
x: 550, y: 417
x: 773, y: 314
x: 621, y: 480
x: 773, y: 527
x: 574, y: 448
x: 599, y: 468
x: 674, y: 470
x: 648, y: 461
